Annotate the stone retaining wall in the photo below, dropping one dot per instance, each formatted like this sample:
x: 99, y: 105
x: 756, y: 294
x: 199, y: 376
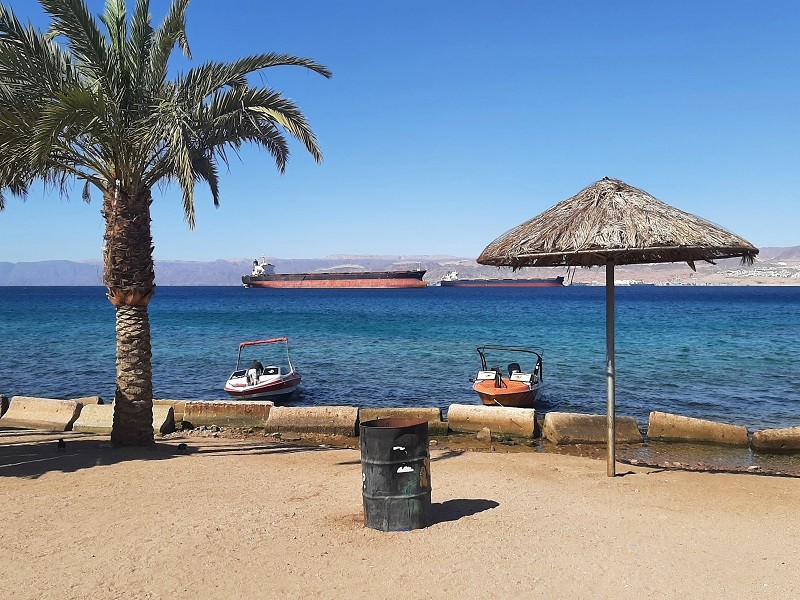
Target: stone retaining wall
x: 89, y: 414
x: 778, y: 441
x: 227, y: 413
x: 99, y: 418
x: 47, y: 414
x: 676, y: 428
x: 178, y: 406
x: 88, y: 400
x: 329, y: 420
x: 498, y: 419
x: 576, y: 428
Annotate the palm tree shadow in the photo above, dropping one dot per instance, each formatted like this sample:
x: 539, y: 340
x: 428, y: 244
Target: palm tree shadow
x: 32, y: 458
x: 452, y: 510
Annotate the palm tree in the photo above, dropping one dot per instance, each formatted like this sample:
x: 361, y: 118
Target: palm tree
x: 93, y: 104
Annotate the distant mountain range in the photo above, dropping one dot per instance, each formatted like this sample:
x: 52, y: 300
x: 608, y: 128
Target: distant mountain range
x: 774, y: 265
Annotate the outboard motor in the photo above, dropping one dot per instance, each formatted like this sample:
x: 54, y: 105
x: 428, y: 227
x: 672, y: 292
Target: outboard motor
x: 514, y: 367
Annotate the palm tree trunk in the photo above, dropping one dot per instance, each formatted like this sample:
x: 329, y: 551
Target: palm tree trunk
x: 133, y: 409
x: 130, y: 281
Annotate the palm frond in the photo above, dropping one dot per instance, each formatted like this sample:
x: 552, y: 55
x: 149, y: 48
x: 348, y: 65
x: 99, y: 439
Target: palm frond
x: 210, y: 77
x: 77, y: 115
x: 171, y: 32
x: 18, y: 189
x: 206, y: 169
x: 72, y: 20
x: 269, y: 138
x: 117, y: 74
x: 140, y: 43
x: 30, y: 63
x: 15, y: 177
x: 115, y: 20
x: 178, y: 158
x: 261, y: 106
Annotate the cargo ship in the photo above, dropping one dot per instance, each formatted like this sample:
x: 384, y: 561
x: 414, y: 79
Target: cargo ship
x: 264, y: 276
x: 452, y: 280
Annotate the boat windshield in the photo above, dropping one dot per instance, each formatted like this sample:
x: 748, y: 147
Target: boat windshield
x: 269, y: 358
x: 508, y: 359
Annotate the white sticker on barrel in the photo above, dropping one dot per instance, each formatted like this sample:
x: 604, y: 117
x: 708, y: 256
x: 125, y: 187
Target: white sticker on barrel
x: 405, y: 470
x: 403, y: 448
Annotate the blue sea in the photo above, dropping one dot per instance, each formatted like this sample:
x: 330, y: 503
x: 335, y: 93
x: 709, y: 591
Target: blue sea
x: 723, y: 353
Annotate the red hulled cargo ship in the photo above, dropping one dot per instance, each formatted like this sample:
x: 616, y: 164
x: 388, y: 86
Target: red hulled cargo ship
x: 264, y: 276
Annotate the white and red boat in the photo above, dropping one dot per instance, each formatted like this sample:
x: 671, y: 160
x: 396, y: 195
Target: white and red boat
x: 519, y: 388
x: 258, y: 381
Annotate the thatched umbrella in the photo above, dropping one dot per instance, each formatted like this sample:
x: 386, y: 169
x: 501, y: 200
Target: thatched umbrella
x: 612, y: 223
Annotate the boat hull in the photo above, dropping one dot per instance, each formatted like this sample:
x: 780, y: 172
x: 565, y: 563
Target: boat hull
x: 272, y: 389
x: 551, y: 282
x: 513, y: 393
x: 372, y: 279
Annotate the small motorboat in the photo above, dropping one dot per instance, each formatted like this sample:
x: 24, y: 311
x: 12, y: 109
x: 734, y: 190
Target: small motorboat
x: 258, y: 381
x: 516, y: 386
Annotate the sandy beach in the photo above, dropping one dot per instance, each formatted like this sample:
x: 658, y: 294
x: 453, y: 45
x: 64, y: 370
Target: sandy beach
x: 257, y: 519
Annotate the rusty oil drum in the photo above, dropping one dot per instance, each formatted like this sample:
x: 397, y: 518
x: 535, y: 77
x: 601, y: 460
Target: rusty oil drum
x: 395, y: 474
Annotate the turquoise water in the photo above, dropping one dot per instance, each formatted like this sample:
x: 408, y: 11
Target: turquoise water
x: 729, y: 354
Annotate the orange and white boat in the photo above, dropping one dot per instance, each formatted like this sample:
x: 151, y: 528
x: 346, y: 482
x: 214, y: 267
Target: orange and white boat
x: 258, y: 381
x: 514, y: 387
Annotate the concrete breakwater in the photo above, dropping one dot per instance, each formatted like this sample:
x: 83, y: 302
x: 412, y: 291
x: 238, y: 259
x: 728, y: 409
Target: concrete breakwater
x: 92, y: 415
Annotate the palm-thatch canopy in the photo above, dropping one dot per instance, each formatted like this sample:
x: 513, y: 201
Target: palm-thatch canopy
x: 611, y: 221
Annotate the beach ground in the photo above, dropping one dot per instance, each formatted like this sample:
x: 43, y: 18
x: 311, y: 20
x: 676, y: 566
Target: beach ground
x: 251, y: 518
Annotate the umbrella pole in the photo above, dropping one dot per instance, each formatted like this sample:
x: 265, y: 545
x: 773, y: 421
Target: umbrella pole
x: 610, y: 397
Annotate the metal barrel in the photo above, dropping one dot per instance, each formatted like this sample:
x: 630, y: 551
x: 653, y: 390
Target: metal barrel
x: 395, y: 474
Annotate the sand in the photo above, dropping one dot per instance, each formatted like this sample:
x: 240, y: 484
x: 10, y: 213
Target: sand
x: 249, y: 519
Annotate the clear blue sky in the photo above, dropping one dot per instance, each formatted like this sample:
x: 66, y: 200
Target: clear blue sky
x: 449, y: 122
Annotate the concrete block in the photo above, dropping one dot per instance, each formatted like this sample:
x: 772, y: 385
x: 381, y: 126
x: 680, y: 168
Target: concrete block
x: 433, y: 415
x: 95, y: 418
x: 40, y: 413
x: 499, y: 419
x: 178, y: 406
x: 677, y: 428
x: 88, y: 400
x: 329, y: 420
x: 777, y: 441
x: 99, y: 418
x: 576, y: 428
x: 163, y: 419
x: 227, y: 413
